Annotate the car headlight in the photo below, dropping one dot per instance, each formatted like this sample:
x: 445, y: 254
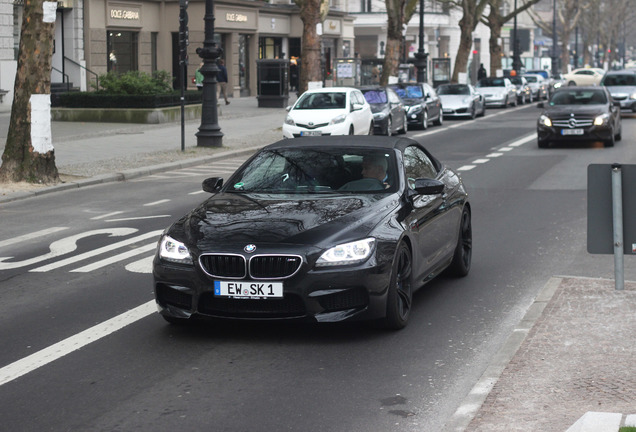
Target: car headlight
x: 601, y: 120
x: 557, y: 85
x: 174, y: 251
x: 415, y: 109
x: 379, y: 115
x: 338, y: 119
x: 545, y: 120
x: 290, y: 121
x: 347, y: 253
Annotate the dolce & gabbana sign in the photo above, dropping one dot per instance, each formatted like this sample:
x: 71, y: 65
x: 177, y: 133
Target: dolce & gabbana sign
x: 123, y: 14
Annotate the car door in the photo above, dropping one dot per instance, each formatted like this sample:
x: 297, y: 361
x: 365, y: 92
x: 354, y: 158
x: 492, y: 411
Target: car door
x: 397, y: 109
x: 361, y: 119
x: 433, y: 101
x: 427, y: 221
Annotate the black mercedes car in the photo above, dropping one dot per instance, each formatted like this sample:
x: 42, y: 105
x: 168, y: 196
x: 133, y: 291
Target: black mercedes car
x: 319, y: 229
x: 422, y: 103
x: 576, y: 113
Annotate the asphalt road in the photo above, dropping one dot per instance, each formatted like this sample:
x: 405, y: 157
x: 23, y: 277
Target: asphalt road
x: 81, y: 264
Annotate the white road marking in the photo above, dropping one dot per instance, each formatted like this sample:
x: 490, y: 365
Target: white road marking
x: 73, y: 343
x: 144, y: 265
x: 480, y: 161
x: 494, y: 155
x: 506, y: 149
x: 137, y: 218
x: 115, y: 213
x: 103, y: 263
x: 95, y: 252
x: 64, y: 246
x: 197, y: 192
x: 156, y: 203
x: 466, y: 168
x: 523, y: 140
x: 30, y: 236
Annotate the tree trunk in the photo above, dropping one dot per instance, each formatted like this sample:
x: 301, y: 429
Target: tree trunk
x: 398, y: 12
x: 312, y: 12
x: 495, y: 48
x: 472, y: 11
x: 20, y: 160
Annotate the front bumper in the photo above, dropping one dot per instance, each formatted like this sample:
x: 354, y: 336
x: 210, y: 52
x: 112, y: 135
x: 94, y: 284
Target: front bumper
x: 323, y: 295
x: 590, y: 133
x: 290, y: 131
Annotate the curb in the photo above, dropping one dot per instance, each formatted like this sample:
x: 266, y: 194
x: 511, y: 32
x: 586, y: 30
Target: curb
x: 471, y: 404
x: 127, y: 174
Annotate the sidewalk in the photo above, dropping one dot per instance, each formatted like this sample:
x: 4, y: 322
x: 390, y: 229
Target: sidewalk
x: 573, y: 353
x: 88, y: 153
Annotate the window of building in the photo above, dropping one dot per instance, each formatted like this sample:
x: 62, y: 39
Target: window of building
x: 122, y: 51
x: 153, y: 51
x: 270, y: 47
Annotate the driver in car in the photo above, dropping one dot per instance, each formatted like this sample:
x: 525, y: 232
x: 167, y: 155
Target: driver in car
x: 374, y: 175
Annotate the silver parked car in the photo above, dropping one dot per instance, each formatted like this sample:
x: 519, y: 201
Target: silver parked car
x: 461, y: 100
x: 498, y: 91
x: 539, y: 86
x: 622, y: 86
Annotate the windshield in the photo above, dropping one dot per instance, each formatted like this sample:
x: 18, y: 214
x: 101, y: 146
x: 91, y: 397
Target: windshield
x: 579, y: 97
x: 375, y: 96
x: 491, y: 82
x: 516, y: 80
x: 317, y: 170
x: 453, y: 90
x: 620, y: 80
x: 322, y: 101
x: 409, y: 92
x: 531, y: 79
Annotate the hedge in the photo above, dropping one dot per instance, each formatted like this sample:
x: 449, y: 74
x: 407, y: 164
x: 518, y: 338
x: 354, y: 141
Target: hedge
x: 97, y: 100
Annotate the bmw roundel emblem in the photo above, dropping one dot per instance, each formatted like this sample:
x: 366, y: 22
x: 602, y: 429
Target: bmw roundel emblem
x: 250, y: 248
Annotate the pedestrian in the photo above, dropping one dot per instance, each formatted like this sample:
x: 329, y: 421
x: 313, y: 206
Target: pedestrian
x: 198, y: 78
x: 481, y: 73
x: 221, y: 77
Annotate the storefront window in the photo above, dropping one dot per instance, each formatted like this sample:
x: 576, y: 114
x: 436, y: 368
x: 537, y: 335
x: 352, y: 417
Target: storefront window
x: 244, y: 61
x: 122, y: 51
x: 270, y: 47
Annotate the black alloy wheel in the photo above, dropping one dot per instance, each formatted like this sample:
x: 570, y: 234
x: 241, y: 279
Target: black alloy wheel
x: 460, y: 266
x: 400, y: 295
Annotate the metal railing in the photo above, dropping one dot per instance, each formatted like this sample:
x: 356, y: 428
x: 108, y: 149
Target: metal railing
x: 87, y: 70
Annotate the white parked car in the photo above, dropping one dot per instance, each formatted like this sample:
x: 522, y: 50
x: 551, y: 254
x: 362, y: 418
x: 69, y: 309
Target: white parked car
x: 329, y: 111
x: 584, y: 77
x: 498, y: 91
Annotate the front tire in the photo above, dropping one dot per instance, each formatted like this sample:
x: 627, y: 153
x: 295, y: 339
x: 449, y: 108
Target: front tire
x: 400, y: 295
x: 462, y: 258
x: 424, y: 119
x: 389, y: 126
x: 440, y: 119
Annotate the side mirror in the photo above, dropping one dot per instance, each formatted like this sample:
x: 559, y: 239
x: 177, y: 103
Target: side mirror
x: 428, y: 186
x: 356, y: 107
x: 540, y: 105
x: 288, y: 108
x: 212, y: 184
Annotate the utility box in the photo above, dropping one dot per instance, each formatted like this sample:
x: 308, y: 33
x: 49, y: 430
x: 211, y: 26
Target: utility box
x: 273, y: 83
x: 600, y: 234
x: 348, y: 72
x: 441, y: 71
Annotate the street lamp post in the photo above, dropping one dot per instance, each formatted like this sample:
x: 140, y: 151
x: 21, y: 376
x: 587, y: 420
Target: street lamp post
x: 554, y: 41
x: 420, y: 56
x: 209, y: 134
x: 516, y: 57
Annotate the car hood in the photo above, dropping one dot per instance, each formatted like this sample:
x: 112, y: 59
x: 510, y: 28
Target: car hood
x: 240, y: 219
x: 567, y: 110
x: 316, y: 116
x: 412, y: 101
x: 455, y: 100
x: 492, y: 89
x: 621, y: 90
x: 376, y: 108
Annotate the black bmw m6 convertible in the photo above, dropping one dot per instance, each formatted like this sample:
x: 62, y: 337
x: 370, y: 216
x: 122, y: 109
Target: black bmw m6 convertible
x: 318, y: 229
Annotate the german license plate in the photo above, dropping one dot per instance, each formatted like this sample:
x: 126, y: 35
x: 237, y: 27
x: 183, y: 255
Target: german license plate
x: 248, y: 289
x: 310, y: 133
x: 571, y: 131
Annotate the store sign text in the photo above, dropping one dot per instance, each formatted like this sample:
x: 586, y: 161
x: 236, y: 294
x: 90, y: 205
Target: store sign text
x: 235, y: 17
x: 124, y: 14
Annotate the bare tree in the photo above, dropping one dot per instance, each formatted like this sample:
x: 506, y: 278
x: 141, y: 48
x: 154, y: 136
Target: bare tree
x: 495, y: 21
x: 312, y: 13
x: 399, y: 13
x: 21, y: 161
x: 472, y: 10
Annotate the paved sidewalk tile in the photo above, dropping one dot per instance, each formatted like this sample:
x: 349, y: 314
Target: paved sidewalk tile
x: 578, y: 357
